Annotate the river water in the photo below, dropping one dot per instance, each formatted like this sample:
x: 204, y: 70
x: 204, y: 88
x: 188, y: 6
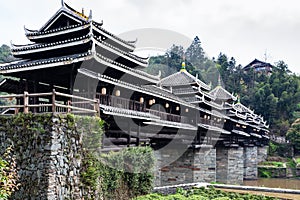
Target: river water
x: 275, y: 183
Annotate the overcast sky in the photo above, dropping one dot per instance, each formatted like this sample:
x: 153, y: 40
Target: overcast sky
x: 241, y: 29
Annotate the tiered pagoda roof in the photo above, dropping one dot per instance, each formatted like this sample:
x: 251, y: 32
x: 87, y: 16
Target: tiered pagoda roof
x: 65, y: 41
x: 183, y: 78
x: 239, y: 114
x: 220, y: 93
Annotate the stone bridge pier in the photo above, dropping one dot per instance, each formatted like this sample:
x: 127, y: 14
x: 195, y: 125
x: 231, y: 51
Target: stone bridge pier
x: 230, y: 165
x: 195, y: 165
x: 250, y: 162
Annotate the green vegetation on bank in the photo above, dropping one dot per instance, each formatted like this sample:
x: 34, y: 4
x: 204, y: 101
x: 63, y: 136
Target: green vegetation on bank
x: 297, y: 161
x: 119, y: 175
x: 272, y: 164
x: 204, y: 194
x: 293, y: 135
x: 8, y: 175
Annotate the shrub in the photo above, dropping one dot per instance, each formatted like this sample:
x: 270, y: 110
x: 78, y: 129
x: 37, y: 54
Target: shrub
x: 273, y: 164
x: 127, y: 173
x: 8, y: 175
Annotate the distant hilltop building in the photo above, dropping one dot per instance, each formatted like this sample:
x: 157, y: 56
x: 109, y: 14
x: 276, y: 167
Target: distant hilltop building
x: 259, y: 66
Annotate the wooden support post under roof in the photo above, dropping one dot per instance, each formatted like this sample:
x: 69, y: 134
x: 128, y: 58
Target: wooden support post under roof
x: 129, y: 135
x: 26, y: 102
x: 53, y: 101
x: 138, y: 135
x: 72, y: 78
x: 35, y: 99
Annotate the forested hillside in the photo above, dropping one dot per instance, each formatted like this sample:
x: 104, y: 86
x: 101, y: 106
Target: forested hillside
x: 276, y: 97
x: 5, y: 54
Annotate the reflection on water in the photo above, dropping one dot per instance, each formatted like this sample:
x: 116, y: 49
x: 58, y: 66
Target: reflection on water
x: 275, y: 183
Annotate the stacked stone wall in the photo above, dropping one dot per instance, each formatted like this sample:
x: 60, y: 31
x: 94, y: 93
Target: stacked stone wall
x: 262, y: 154
x: 194, y: 165
x: 230, y: 165
x: 48, y: 154
x: 250, y: 163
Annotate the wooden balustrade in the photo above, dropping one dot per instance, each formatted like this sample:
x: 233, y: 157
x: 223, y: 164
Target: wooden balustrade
x: 120, y: 102
x: 129, y: 104
x: 169, y: 117
x: 211, y: 122
x: 51, y: 104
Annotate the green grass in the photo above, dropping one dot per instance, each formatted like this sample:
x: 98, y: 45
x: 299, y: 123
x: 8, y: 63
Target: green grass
x: 203, y: 194
x: 272, y: 164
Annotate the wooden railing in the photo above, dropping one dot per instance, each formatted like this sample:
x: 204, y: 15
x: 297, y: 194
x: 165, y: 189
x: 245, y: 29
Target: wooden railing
x: 120, y: 102
x: 56, y: 102
x: 129, y: 104
x: 52, y: 102
x: 168, y: 116
x: 210, y: 122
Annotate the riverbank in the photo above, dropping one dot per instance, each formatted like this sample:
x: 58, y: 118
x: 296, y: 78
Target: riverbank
x: 286, y: 183
x: 270, y: 194
x: 201, y: 191
x: 281, y: 193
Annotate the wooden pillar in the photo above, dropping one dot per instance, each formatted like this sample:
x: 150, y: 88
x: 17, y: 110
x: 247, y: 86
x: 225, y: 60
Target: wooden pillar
x: 129, y: 135
x: 26, y: 86
x: 138, y: 135
x: 97, y: 107
x: 72, y: 78
x: 26, y: 101
x: 35, y: 99
x: 49, y: 109
x: 198, y: 136
x: 53, y: 101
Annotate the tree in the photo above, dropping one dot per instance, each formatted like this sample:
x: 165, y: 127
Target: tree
x: 5, y: 54
x: 195, y: 54
x: 175, y: 57
x: 293, y: 135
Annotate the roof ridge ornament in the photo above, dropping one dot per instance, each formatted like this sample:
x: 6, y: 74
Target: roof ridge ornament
x: 219, y: 81
x: 62, y: 3
x: 183, y: 69
x: 91, y: 15
x: 25, y: 29
x: 183, y: 65
x: 238, y: 99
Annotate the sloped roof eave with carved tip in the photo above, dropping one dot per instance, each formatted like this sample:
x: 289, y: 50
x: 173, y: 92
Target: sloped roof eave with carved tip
x: 65, y: 9
x: 19, y: 50
x: 182, y: 78
x: 82, y: 20
x: 220, y: 93
x: 143, y: 62
x: 27, y: 65
x: 241, y: 108
x: 55, y: 32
